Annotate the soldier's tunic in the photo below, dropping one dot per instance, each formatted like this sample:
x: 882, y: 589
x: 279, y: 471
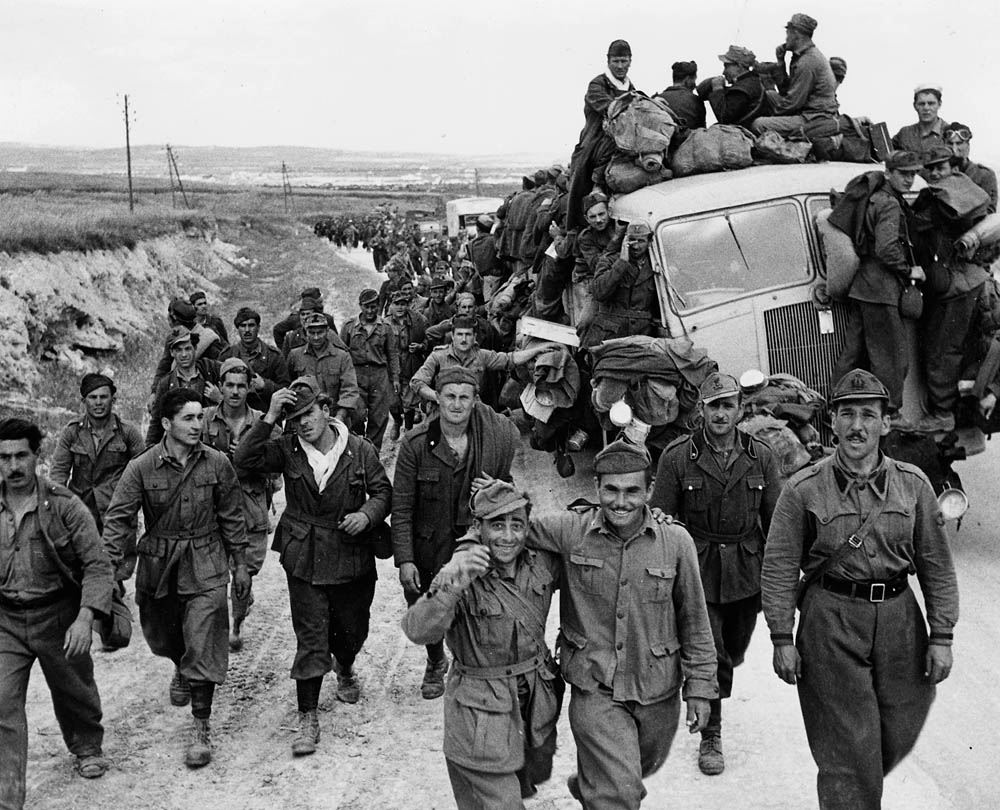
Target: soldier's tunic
x: 410, y: 328
x: 625, y: 291
x: 503, y: 693
x: 333, y: 370
x: 51, y: 565
x: 183, y: 566
x: 863, y: 693
x: 267, y: 363
x: 91, y: 463
x: 726, y: 506
x: 375, y: 356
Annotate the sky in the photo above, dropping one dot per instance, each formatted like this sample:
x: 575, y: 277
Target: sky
x: 499, y: 77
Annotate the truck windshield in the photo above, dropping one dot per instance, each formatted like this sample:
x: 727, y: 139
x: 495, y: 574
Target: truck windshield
x: 733, y: 254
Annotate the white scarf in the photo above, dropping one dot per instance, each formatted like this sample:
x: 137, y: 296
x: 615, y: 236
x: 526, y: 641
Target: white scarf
x: 323, y: 464
x: 624, y: 86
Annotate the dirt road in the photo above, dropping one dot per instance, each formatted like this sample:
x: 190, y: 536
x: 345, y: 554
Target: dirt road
x: 385, y: 751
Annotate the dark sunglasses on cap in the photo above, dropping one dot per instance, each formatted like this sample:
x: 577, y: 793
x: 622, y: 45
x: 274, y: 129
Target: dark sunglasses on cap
x: 959, y: 135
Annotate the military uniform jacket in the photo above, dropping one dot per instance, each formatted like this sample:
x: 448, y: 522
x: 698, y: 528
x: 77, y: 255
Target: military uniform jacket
x: 310, y: 545
x: 633, y: 612
x: 885, y: 265
x: 92, y: 472
x: 375, y: 348
x: 333, y: 370
x: 73, y: 544
x: 189, y: 538
x: 491, y: 634
x: 410, y: 328
x: 217, y: 434
x: 267, y: 363
x: 726, y: 512
x: 821, y: 506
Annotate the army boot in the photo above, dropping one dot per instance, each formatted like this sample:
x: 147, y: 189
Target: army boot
x: 348, y: 688
x: 710, y: 759
x: 433, y: 684
x: 180, y: 689
x: 307, y: 736
x: 199, y: 750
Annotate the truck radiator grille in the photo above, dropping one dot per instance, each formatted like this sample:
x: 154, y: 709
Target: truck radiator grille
x: 795, y: 346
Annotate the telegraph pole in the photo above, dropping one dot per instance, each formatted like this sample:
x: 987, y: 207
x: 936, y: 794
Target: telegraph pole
x: 172, y: 163
x: 478, y: 194
x: 286, y: 186
x: 128, y: 158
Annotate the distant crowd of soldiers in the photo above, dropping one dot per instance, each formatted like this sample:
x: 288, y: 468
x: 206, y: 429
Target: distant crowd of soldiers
x: 652, y: 611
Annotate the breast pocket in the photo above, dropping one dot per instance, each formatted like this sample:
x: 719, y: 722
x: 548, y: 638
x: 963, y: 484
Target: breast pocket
x: 755, y: 491
x: 158, y: 491
x: 658, y: 584
x: 204, y: 487
x: 899, y: 523
x: 695, y: 495
x: 587, y: 572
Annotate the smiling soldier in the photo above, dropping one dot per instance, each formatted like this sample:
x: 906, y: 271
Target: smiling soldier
x: 723, y: 484
x: 858, y: 524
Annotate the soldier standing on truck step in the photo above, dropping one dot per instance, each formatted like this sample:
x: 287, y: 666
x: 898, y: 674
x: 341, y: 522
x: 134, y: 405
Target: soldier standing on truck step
x: 723, y: 484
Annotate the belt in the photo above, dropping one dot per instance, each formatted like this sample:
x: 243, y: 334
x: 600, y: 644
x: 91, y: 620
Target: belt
x: 508, y: 671
x: 874, y: 591
x: 42, y: 601
x: 313, y: 520
x: 711, y: 537
x: 625, y: 313
x: 369, y: 365
x: 191, y: 534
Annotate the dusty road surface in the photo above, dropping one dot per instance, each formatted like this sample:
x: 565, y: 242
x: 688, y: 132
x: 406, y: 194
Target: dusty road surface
x: 385, y: 751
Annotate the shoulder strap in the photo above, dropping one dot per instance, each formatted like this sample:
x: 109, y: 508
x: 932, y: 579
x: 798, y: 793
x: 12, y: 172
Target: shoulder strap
x: 522, y: 609
x: 852, y: 542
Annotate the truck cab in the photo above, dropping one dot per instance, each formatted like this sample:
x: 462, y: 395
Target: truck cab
x: 740, y: 271
x: 461, y: 214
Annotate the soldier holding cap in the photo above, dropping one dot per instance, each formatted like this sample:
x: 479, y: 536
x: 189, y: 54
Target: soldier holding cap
x: 491, y: 604
x: 624, y: 288
x: 410, y: 329
x: 856, y: 525
x: 737, y: 96
x: 192, y: 508
x: 723, y: 484
x: 291, y: 332
x: 958, y: 138
x: 337, y: 498
x: 807, y: 101
x: 375, y: 356
x: 93, y: 450
x: 929, y: 129
x: 680, y: 96
x: 635, y: 635
x: 880, y: 230
x: 197, y: 374
x: 439, y: 463
x: 327, y: 360
x: 267, y: 364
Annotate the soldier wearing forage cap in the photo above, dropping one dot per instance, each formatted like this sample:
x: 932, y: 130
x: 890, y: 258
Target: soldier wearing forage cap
x: 854, y: 527
x: 268, y: 366
x: 410, y: 328
x: 723, y: 484
x: 326, y: 359
x: 807, y: 101
x: 482, y: 252
x: 437, y: 308
x: 202, y: 316
x: 199, y: 375
x: 375, y: 355
x: 503, y: 680
x: 292, y: 330
x: 928, y: 132
x: 594, y: 147
x: 337, y: 496
x: 440, y: 462
x: 881, y: 235
x: 737, y: 96
x: 958, y: 138
x: 625, y: 289
x: 635, y: 635
x: 93, y: 450
x: 686, y: 104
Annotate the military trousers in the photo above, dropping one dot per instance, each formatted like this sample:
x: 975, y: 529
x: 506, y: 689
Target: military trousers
x: 372, y: 419
x: 876, y: 340
x: 863, y: 693
x: 618, y: 744
x: 479, y: 790
x: 944, y: 329
x: 732, y: 627
x: 27, y: 635
x: 330, y: 621
x: 192, y: 630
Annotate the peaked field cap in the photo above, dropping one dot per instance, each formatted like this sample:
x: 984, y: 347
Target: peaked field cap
x: 619, y: 48
x: 938, y: 154
x: 738, y: 55
x: 498, y: 498
x: 717, y: 386
x: 456, y: 375
x: 315, y: 319
x: 485, y: 220
x: 802, y: 22
x: 180, y: 334
x: 638, y: 229
x: 305, y: 390
x: 903, y: 160
x: 594, y: 198
x: 368, y: 296
x: 622, y: 457
x: 234, y: 363
x: 858, y: 384
x: 400, y: 297
x: 91, y: 382
x: 312, y: 292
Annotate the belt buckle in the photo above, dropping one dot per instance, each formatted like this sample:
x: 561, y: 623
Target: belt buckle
x: 855, y: 541
x: 879, y: 589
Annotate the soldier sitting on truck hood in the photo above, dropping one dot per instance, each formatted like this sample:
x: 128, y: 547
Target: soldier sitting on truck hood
x: 624, y: 288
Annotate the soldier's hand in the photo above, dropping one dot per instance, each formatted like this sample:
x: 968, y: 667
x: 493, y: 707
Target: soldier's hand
x: 470, y: 561
x: 987, y: 404
x: 780, y: 51
x: 698, y: 711
x: 77, y: 640
x: 939, y: 661
x: 660, y: 516
x: 409, y: 578
x: 718, y: 82
x: 257, y: 383
x: 480, y: 482
x: 241, y: 581
x: 787, y: 663
x: 279, y: 399
x: 354, y: 523
x: 395, y: 387
x: 213, y: 393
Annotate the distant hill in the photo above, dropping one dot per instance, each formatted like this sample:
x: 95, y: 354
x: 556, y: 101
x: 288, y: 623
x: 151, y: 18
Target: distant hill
x: 261, y: 165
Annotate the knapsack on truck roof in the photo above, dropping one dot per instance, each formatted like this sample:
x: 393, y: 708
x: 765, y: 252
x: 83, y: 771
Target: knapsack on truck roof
x: 719, y: 148
x: 639, y: 124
